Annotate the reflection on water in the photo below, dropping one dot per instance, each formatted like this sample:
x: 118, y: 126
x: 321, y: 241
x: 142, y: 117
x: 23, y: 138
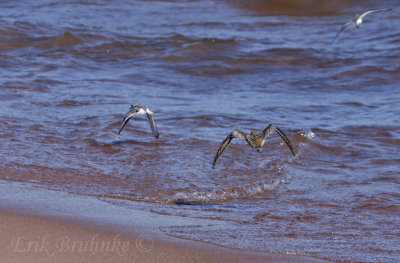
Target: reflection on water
x: 205, y: 68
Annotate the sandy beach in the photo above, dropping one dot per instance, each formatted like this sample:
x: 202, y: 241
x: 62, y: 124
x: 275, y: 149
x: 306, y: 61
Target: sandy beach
x: 27, y: 238
x: 44, y: 226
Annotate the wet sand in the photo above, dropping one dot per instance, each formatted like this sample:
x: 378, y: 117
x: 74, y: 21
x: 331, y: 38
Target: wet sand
x: 37, y: 225
x: 28, y: 238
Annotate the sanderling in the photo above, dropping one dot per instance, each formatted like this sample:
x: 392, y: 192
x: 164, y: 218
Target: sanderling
x: 358, y: 19
x: 254, y: 139
x: 137, y: 109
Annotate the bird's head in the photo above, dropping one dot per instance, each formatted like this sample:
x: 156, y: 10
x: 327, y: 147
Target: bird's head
x: 253, y: 133
x: 135, y: 106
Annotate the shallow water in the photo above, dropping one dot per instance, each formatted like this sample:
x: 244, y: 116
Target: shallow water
x: 70, y: 71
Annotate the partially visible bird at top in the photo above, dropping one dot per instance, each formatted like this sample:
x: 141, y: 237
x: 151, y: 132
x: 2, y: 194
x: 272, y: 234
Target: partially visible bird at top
x: 358, y: 19
x: 137, y: 109
x: 254, y: 139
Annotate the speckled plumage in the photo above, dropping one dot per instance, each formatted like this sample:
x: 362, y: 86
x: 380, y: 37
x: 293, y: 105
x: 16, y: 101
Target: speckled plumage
x: 254, y: 139
x: 137, y: 109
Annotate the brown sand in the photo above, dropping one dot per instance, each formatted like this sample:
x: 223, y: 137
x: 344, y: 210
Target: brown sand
x: 32, y: 238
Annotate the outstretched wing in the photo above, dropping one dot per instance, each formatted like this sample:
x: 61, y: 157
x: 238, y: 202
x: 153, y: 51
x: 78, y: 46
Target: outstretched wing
x: 131, y: 113
x: 271, y: 128
x: 226, y: 142
x: 153, y: 125
x: 373, y: 11
x: 340, y: 31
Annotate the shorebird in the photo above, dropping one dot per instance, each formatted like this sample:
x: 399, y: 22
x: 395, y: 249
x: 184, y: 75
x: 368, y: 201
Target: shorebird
x: 137, y: 109
x: 254, y: 139
x: 358, y: 19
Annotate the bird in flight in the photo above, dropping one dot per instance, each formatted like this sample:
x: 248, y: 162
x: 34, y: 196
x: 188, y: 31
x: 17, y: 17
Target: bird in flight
x: 254, y: 139
x: 137, y: 109
x: 358, y: 19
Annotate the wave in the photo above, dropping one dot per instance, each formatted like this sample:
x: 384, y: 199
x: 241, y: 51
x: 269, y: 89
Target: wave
x: 291, y: 7
x: 223, y: 195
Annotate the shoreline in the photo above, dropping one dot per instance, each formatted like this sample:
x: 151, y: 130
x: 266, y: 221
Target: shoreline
x: 37, y: 230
